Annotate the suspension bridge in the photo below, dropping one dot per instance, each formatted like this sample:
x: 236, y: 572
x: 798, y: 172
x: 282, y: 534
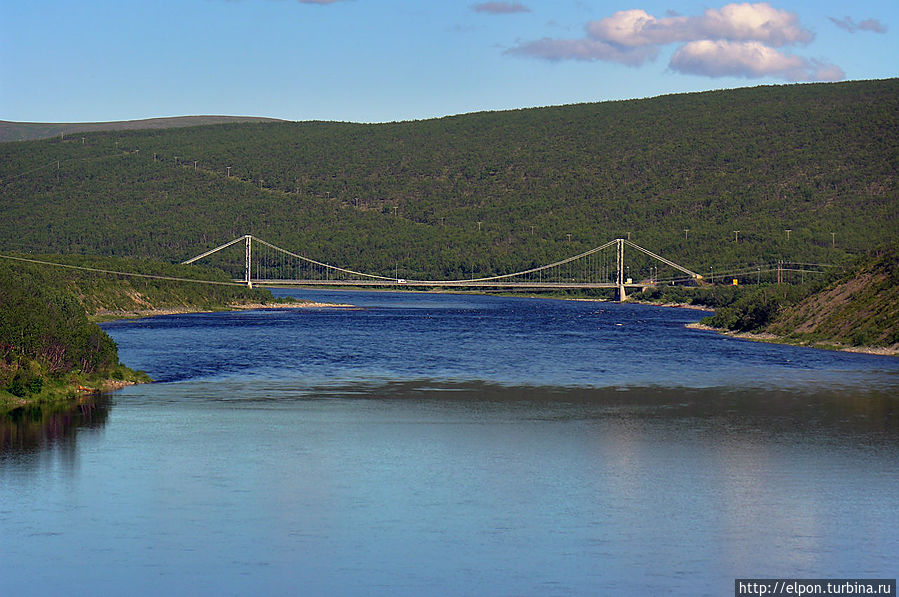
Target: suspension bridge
x: 261, y: 263
x: 604, y: 266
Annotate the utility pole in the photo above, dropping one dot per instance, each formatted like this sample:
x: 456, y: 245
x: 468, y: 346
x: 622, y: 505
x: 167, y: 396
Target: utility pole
x: 833, y: 239
x: 395, y: 207
x: 569, y: 238
x: 686, y: 230
x: 736, y: 236
x: 788, y: 231
x: 229, y: 171
x: 479, y: 225
x: 195, y: 165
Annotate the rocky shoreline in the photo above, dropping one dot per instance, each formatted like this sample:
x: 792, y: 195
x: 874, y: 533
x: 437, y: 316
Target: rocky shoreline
x: 891, y: 351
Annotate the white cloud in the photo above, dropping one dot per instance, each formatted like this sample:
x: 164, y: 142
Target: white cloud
x: 751, y: 59
x: 757, y: 22
x: 851, y: 26
x: 734, y: 40
x: 735, y: 22
x: 636, y: 27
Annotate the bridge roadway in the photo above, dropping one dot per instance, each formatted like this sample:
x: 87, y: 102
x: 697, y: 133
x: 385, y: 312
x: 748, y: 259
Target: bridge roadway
x: 400, y: 283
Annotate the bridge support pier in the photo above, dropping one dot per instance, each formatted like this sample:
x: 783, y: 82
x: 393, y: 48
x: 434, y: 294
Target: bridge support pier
x: 622, y: 295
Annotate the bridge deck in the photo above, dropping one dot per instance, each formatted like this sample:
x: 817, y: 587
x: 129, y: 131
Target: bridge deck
x: 444, y: 284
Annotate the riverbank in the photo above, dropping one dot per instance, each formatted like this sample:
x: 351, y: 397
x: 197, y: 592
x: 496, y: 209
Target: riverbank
x: 892, y: 351
x: 71, y: 390
x: 103, y: 315
x: 674, y: 305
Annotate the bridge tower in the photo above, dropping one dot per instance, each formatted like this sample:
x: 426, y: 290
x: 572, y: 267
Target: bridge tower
x: 248, y: 261
x: 622, y: 295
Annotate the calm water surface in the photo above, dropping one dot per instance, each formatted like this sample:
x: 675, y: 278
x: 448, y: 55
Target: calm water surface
x: 454, y: 445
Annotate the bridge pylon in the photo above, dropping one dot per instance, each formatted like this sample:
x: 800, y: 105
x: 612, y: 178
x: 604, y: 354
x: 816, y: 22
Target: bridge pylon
x: 622, y: 294
x: 248, y: 262
x: 248, y: 256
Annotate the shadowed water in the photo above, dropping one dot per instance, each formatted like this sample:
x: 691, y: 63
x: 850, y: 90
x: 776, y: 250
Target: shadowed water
x: 459, y: 445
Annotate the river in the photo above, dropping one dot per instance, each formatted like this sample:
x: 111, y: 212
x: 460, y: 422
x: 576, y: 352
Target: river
x: 437, y: 444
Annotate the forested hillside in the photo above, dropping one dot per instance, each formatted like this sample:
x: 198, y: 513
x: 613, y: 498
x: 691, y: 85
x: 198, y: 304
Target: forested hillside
x: 46, y: 339
x: 856, y: 307
x: 861, y: 308
x: 491, y: 192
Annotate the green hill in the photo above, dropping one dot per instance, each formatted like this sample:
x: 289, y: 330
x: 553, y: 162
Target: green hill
x: 491, y: 192
x: 861, y: 308
x: 855, y: 307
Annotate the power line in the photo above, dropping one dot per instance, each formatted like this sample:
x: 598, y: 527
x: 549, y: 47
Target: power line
x: 57, y: 164
x: 116, y: 273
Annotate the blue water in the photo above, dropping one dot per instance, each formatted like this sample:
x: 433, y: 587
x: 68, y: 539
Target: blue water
x: 455, y: 445
x: 509, y: 341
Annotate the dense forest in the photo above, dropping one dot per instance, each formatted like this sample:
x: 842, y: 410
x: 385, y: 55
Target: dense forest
x: 714, y: 180
x: 45, y: 335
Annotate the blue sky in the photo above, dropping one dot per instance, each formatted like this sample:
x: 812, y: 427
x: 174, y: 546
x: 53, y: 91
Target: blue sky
x: 387, y: 60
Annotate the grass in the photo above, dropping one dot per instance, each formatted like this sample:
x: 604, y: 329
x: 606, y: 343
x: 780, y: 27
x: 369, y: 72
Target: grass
x: 65, y: 390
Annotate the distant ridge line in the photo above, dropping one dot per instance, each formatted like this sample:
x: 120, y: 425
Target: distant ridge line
x: 30, y: 131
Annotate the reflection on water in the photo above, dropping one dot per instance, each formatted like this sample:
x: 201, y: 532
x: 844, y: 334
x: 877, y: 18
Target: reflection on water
x: 815, y: 415
x: 733, y: 414
x: 820, y: 416
x: 40, y: 427
x: 430, y: 488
